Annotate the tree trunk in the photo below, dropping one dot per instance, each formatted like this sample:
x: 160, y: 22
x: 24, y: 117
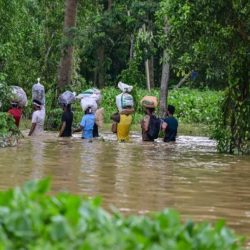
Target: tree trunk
x: 151, y: 72
x: 101, y: 70
x: 131, y: 50
x: 65, y: 68
x: 164, y: 84
x: 109, y: 4
x: 147, y: 74
x: 183, y: 80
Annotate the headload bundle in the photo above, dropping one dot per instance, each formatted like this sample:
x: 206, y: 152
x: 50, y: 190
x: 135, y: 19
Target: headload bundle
x: 66, y: 98
x: 90, y: 98
x: 149, y: 102
x: 38, y: 92
x: 91, y: 93
x: 124, y: 100
x: 19, y: 96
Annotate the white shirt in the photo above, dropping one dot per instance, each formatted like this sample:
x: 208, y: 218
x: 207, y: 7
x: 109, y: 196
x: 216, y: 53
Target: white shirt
x: 38, y: 117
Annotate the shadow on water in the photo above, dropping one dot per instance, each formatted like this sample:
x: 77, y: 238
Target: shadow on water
x: 138, y: 177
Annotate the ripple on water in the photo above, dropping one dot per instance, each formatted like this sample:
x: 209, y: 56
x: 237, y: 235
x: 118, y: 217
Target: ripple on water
x: 138, y: 177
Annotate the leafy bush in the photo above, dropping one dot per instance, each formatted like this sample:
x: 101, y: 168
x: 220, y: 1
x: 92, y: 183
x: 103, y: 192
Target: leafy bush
x: 31, y: 219
x: 9, y: 133
x: 225, y: 133
x: 196, y: 106
x: 5, y: 93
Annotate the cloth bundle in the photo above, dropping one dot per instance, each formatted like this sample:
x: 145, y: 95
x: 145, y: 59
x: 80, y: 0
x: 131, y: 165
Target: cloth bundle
x: 19, y: 96
x: 67, y: 97
x: 124, y: 100
x: 149, y: 102
x: 38, y: 92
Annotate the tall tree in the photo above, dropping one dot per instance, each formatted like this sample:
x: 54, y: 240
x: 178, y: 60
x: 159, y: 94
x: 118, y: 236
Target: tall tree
x: 215, y: 35
x: 165, y: 68
x: 164, y: 83
x: 65, y: 68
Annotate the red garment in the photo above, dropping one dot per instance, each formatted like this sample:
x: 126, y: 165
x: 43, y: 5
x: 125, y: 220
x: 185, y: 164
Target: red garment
x: 16, y: 113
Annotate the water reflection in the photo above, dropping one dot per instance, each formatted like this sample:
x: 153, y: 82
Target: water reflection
x: 138, y: 177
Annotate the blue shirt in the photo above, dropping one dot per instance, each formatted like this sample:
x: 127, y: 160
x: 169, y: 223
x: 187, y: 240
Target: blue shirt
x: 87, y: 125
x: 171, y: 130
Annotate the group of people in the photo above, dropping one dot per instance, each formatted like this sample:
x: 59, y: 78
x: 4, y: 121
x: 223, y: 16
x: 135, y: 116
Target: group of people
x: 150, y: 125
x: 121, y: 122
x: 87, y: 125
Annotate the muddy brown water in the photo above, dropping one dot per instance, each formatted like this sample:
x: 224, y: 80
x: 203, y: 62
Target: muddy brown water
x: 138, y: 177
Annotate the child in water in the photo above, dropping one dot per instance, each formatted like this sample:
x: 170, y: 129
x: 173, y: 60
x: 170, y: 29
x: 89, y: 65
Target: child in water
x: 87, y: 124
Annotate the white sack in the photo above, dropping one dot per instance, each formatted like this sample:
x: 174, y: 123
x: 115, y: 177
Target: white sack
x: 125, y: 88
x: 38, y: 92
x: 124, y: 100
x: 19, y: 96
x: 93, y: 93
x: 67, y: 97
x: 88, y: 102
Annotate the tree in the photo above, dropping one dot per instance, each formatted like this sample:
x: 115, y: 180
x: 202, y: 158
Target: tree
x: 65, y: 68
x: 215, y: 35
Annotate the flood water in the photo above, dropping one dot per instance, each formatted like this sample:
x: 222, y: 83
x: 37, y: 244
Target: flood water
x: 138, y: 177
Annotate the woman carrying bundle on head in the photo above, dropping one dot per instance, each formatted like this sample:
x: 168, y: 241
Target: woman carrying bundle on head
x: 67, y: 120
x: 121, y: 123
x: 65, y: 100
x: 123, y: 119
x: 38, y: 117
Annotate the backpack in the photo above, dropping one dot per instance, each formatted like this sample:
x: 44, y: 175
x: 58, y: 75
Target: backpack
x: 154, y: 127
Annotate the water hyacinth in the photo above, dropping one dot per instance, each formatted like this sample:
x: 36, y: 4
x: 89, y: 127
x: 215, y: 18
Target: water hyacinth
x: 31, y: 219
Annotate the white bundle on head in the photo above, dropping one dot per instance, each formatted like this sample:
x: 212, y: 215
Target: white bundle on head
x: 125, y: 88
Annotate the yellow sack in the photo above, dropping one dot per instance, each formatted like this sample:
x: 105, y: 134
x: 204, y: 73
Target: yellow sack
x: 99, y: 117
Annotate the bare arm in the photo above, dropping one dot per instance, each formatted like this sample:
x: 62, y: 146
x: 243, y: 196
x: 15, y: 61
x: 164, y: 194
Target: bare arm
x: 164, y: 126
x: 78, y: 129
x: 62, y: 129
x: 33, y: 126
x: 145, y: 123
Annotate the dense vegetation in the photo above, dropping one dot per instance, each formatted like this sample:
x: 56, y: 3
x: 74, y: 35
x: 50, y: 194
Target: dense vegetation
x: 31, y: 219
x: 207, y: 43
x: 9, y: 133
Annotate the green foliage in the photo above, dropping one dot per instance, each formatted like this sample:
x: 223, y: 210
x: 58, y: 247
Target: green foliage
x: 230, y: 138
x: 7, y: 125
x: 8, y: 129
x: 196, y: 106
x: 214, y: 36
x: 31, y: 219
x: 5, y: 93
x: 9, y: 133
x: 132, y: 74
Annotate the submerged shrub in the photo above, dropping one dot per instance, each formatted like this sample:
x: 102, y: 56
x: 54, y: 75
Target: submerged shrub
x: 31, y: 219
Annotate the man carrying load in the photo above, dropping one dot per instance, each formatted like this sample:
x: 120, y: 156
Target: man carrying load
x: 150, y: 124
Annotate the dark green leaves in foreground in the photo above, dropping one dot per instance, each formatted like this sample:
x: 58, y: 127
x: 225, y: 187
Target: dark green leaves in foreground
x: 31, y: 219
